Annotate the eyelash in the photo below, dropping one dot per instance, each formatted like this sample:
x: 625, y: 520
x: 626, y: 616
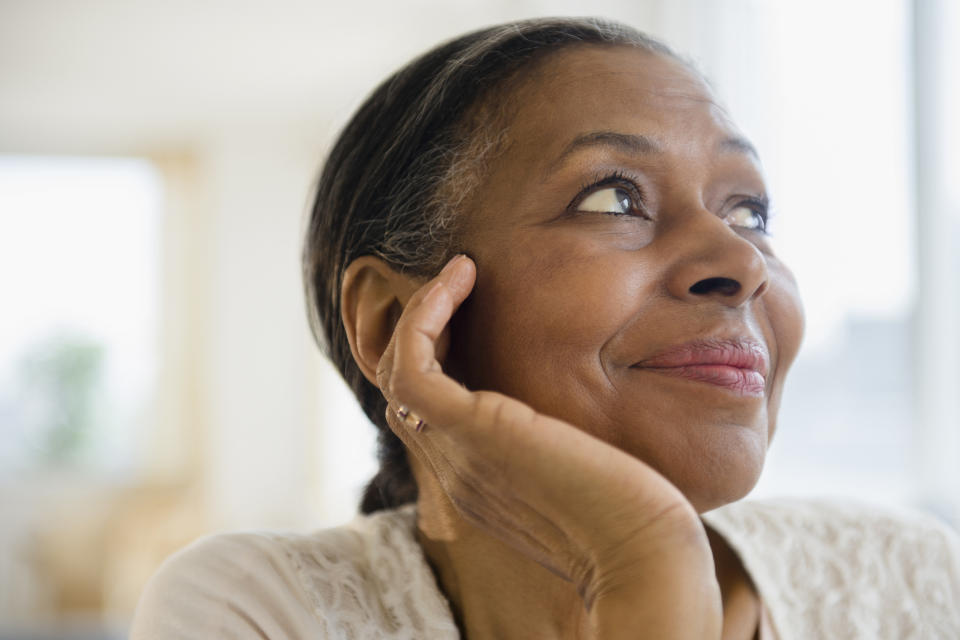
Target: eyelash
x: 759, y: 205
x: 615, y: 179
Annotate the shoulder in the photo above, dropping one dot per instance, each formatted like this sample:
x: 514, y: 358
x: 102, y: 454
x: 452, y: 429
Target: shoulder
x: 833, y: 519
x: 237, y: 585
x: 283, y: 585
x: 849, y: 568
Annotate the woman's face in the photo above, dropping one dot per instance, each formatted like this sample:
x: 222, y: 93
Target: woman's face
x: 624, y: 281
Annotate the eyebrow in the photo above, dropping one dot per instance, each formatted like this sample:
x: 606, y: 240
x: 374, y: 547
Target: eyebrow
x: 638, y: 145
x: 737, y: 144
x: 627, y: 142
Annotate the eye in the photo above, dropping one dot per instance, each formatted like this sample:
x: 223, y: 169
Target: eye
x: 615, y: 200
x: 614, y: 194
x: 752, y: 216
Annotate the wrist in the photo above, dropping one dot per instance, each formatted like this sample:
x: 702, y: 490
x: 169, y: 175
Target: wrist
x: 674, y: 599
x: 675, y: 537
x: 663, y: 584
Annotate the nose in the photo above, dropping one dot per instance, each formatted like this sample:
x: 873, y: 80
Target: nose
x: 712, y: 262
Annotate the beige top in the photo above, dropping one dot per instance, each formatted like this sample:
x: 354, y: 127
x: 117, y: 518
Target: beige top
x: 823, y: 570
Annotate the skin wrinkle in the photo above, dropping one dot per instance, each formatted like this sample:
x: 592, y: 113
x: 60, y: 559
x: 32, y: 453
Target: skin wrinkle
x: 529, y: 265
x: 632, y: 144
x: 559, y: 311
x: 636, y: 145
x: 489, y: 124
x: 557, y: 264
x: 412, y: 110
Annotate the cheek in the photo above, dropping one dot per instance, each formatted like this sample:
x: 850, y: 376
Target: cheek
x: 786, y: 319
x: 785, y: 314
x: 544, y: 310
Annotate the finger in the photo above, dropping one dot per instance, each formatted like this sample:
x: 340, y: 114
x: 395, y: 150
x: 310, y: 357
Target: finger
x: 454, y: 276
x: 448, y: 274
x: 415, y: 377
x: 458, y: 275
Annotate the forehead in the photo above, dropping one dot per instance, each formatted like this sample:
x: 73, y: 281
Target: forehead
x: 606, y: 88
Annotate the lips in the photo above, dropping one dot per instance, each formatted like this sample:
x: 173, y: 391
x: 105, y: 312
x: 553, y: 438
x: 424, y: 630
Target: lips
x: 739, y: 365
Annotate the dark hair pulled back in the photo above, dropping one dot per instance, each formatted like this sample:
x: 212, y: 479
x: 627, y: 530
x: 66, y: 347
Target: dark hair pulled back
x: 395, y: 178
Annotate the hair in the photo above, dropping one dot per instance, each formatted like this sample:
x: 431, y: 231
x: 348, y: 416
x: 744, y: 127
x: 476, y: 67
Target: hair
x: 396, y: 180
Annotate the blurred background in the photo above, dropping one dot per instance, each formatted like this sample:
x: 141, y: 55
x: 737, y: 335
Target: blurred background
x: 157, y: 376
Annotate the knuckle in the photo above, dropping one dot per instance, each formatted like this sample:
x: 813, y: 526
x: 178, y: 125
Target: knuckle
x: 401, y: 388
x: 486, y: 406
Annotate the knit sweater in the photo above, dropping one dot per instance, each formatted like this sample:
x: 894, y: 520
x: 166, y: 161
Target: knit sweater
x: 822, y: 570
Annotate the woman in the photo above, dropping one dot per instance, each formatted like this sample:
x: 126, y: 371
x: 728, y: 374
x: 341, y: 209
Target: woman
x: 538, y: 256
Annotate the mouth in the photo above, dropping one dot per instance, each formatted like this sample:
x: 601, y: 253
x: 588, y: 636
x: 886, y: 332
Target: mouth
x: 739, y: 365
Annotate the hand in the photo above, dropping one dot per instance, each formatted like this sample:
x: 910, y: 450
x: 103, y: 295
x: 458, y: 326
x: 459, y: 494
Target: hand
x: 580, y: 507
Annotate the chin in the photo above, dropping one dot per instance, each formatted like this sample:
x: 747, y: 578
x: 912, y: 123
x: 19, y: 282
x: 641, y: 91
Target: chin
x: 722, y: 472
x: 720, y: 493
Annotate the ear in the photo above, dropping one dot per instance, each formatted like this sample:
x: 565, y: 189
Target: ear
x: 371, y: 299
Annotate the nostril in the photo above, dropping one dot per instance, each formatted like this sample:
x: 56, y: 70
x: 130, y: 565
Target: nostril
x: 723, y: 286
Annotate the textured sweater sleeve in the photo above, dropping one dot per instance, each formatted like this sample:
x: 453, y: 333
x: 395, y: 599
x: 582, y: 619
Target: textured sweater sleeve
x: 235, y: 586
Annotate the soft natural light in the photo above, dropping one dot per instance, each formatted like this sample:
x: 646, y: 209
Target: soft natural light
x: 78, y: 271
x: 841, y: 182
x: 848, y: 231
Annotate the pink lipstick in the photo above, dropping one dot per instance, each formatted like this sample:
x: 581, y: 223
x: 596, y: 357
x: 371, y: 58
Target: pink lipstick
x: 738, y: 364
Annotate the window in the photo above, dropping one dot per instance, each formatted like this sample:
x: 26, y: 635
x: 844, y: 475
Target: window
x: 78, y: 349
x: 847, y: 232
